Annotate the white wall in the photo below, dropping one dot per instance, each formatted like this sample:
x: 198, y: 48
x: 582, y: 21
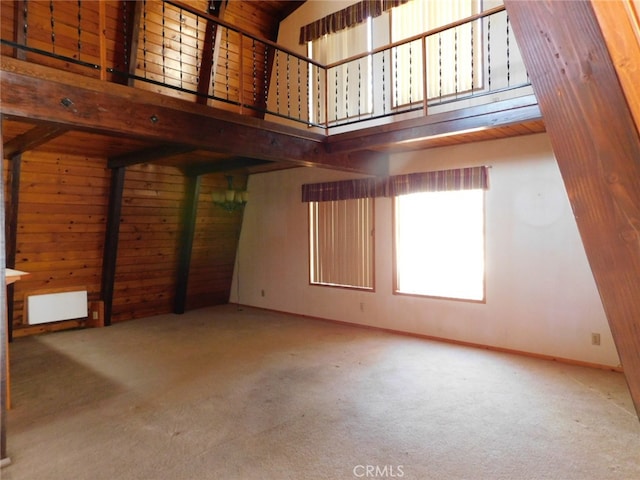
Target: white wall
x: 541, y: 296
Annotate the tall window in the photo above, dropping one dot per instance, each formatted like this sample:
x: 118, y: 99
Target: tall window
x: 439, y: 234
x: 341, y: 243
x: 348, y: 86
x: 452, y: 56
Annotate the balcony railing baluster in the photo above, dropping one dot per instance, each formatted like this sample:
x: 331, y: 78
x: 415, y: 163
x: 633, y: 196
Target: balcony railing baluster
x: 473, y: 70
x: 299, y: 92
x: 53, y: 27
x: 197, y: 50
x: 79, y: 28
x: 384, y: 82
x: 278, y: 81
x: 508, y: 63
x: 288, y: 85
x: 489, y: 52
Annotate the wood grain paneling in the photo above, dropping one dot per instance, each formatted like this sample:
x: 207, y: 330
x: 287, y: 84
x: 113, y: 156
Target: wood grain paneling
x: 61, y: 232
x: 597, y: 147
x: 139, y: 290
x: 214, y: 246
x: 620, y: 22
x: 61, y: 219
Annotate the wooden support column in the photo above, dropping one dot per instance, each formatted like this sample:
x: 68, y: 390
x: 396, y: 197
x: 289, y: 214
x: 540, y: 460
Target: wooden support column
x: 189, y: 215
x: 11, y: 232
x: 597, y: 148
x: 110, y: 254
x: 3, y: 323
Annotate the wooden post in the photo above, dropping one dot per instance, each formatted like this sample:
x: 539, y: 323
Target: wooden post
x: 190, y: 215
x: 4, y: 353
x: 597, y: 147
x: 110, y: 254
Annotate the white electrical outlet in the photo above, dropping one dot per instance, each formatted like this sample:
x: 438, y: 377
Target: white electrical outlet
x: 595, y: 339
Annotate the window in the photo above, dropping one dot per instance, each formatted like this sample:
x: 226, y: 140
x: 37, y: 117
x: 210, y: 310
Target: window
x: 349, y: 92
x: 341, y: 243
x: 439, y: 238
x: 452, y: 56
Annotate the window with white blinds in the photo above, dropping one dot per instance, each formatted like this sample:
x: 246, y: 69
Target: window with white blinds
x: 341, y: 243
x: 453, y: 57
x: 348, y: 86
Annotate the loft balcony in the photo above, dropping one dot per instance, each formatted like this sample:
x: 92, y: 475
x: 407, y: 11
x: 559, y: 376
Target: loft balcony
x: 204, y: 85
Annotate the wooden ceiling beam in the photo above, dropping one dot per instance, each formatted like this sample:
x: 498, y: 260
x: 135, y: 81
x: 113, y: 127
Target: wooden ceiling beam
x: 597, y: 147
x: 226, y: 165
x: 33, y: 138
x: 147, y: 155
x: 100, y: 107
x: 492, y: 115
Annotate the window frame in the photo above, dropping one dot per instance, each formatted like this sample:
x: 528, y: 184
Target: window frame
x: 371, y: 259
x: 395, y: 272
x: 477, y: 6
x: 341, y: 110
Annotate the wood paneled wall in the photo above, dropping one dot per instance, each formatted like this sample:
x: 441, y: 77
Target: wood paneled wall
x: 61, y: 231
x: 61, y: 223
x: 170, y: 44
x: 148, y: 243
x: 63, y: 197
x: 214, y: 246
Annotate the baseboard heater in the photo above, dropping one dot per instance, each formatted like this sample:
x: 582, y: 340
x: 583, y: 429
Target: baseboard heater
x: 55, y: 307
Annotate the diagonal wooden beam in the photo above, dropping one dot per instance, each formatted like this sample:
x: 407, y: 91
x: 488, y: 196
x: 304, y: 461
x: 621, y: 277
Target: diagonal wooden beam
x: 210, y: 49
x: 112, y: 235
x: 33, y: 138
x: 132, y: 14
x: 190, y: 217
x: 597, y: 148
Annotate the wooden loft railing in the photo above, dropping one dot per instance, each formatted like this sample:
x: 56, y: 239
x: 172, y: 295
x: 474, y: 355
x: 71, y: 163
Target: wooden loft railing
x: 175, y: 49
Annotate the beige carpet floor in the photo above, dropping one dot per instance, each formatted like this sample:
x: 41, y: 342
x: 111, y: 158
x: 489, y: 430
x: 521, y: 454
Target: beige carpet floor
x: 223, y: 393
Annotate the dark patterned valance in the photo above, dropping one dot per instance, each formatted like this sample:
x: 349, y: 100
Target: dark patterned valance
x: 345, y: 18
x: 342, y: 190
x: 438, y: 181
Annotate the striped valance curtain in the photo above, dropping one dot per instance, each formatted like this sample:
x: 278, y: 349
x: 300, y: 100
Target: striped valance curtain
x: 438, y: 181
x: 342, y: 190
x: 345, y: 18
